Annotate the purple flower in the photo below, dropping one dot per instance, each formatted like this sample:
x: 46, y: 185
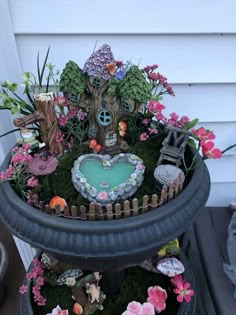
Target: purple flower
x: 120, y: 74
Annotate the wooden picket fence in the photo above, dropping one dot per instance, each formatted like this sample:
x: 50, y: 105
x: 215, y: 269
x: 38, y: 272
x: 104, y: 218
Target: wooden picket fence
x: 96, y: 211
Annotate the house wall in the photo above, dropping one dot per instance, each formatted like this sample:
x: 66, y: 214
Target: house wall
x: 194, y: 43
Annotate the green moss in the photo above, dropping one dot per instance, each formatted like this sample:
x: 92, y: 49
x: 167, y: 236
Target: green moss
x: 134, y: 288
x: 72, y: 79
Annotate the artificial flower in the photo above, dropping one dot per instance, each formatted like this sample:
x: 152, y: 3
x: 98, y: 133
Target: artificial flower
x: 183, y: 292
x: 208, y: 151
x: 58, y: 311
x: 157, y: 297
x: 136, y: 308
x: 203, y: 134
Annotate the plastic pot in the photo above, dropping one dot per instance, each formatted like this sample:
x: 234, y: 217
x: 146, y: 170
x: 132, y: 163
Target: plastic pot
x: 105, y: 245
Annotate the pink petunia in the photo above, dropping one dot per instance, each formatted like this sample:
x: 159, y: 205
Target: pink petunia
x: 183, y: 292
x: 154, y: 107
x: 157, y: 297
x: 136, y: 308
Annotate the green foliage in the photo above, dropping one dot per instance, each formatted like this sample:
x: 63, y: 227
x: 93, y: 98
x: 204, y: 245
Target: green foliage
x: 72, y: 79
x: 135, y: 86
x: 191, y: 124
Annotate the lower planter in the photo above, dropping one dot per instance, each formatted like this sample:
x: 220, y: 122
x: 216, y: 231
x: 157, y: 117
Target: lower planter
x: 184, y: 308
x: 3, y: 269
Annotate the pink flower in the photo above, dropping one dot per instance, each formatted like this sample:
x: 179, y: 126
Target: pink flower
x: 145, y: 121
x: 62, y: 120
x: 59, y: 137
x: 72, y: 113
x: 154, y: 107
x: 32, y: 182
x: 81, y: 115
x: 144, y: 136
x: 136, y: 308
x: 152, y: 131
x: 102, y: 195
x: 139, y: 166
x: 26, y: 146
x: 208, y: 151
x: 157, y: 297
x: 153, y: 76
x: 60, y: 101
x: 183, y: 292
x: 23, y: 289
x: 203, y: 134
x: 178, y: 278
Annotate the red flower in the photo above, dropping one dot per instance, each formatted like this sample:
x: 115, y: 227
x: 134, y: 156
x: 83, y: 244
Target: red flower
x: 208, y: 151
x: 203, y: 134
x: 154, y: 107
x: 157, y: 297
x: 183, y: 291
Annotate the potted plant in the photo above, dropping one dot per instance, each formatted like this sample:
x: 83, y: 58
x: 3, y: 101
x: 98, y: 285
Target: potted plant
x: 80, y: 182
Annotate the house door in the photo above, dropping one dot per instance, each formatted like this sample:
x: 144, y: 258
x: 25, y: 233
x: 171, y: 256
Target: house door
x: 110, y: 138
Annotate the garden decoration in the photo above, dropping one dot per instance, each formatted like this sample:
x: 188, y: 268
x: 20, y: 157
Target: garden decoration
x: 87, y: 197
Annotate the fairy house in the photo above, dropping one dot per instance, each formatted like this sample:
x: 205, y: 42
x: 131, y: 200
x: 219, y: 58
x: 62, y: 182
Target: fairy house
x: 90, y: 90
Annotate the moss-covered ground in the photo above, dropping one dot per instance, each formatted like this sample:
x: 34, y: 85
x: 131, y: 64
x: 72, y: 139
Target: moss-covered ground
x: 134, y: 288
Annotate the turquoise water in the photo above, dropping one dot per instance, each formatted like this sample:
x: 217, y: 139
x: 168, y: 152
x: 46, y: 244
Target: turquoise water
x: 106, y: 179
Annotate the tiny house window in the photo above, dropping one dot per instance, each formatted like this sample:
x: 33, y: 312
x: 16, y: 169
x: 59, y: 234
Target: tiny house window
x: 104, y: 117
x: 92, y: 132
x: 96, y: 82
x: 128, y: 106
x: 73, y: 97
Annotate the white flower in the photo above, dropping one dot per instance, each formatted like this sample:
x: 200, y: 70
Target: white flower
x: 70, y: 282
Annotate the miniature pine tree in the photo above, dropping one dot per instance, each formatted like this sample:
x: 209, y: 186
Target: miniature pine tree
x: 134, y: 86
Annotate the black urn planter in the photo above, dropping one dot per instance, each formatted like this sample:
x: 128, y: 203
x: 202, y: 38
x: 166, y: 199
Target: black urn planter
x: 106, y: 245
x: 184, y: 308
x: 3, y: 269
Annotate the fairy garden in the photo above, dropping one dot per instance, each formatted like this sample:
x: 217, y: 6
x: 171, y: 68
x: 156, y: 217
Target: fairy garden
x: 95, y: 144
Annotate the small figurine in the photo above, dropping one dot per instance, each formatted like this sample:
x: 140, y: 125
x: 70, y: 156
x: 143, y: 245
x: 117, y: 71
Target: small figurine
x: 29, y: 136
x: 94, y: 292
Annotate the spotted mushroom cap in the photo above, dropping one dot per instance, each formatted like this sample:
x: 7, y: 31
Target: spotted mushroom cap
x: 95, y: 66
x: 73, y: 273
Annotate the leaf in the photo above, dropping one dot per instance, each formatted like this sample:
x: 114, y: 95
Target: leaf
x: 191, y: 124
x: 43, y: 68
x: 192, y: 143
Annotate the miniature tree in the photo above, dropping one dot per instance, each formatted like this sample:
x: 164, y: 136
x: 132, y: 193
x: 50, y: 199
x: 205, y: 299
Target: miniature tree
x: 134, y: 86
x: 72, y: 81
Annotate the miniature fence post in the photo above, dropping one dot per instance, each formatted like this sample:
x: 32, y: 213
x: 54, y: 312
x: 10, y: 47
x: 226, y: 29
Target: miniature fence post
x: 109, y: 212
x: 91, y: 214
x: 126, y: 208
x: 41, y: 206
x: 117, y: 210
x: 163, y: 195
x: 177, y: 186
x: 82, y: 210
x: 154, y: 202
x: 66, y: 211
x: 74, y: 211
x: 145, y: 203
x: 171, y: 191
x: 181, y: 183
x: 135, y: 206
x: 100, y: 215
x: 48, y: 209
x: 58, y: 209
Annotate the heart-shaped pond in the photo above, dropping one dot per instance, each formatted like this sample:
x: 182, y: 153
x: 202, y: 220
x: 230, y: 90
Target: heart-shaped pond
x: 103, y: 179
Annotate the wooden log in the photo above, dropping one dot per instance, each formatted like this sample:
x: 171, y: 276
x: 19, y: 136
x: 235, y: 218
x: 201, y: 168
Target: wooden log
x: 91, y: 214
x: 99, y: 211
x: 135, y: 206
x: 145, y: 203
x: 117, y: 210
x: 154, y: 202
x: 126, y: 208
x: 109, y: 212
x: 177, y: 186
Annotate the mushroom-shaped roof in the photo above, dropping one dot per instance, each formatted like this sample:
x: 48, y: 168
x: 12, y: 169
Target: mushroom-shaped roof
x: 95, y: 66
